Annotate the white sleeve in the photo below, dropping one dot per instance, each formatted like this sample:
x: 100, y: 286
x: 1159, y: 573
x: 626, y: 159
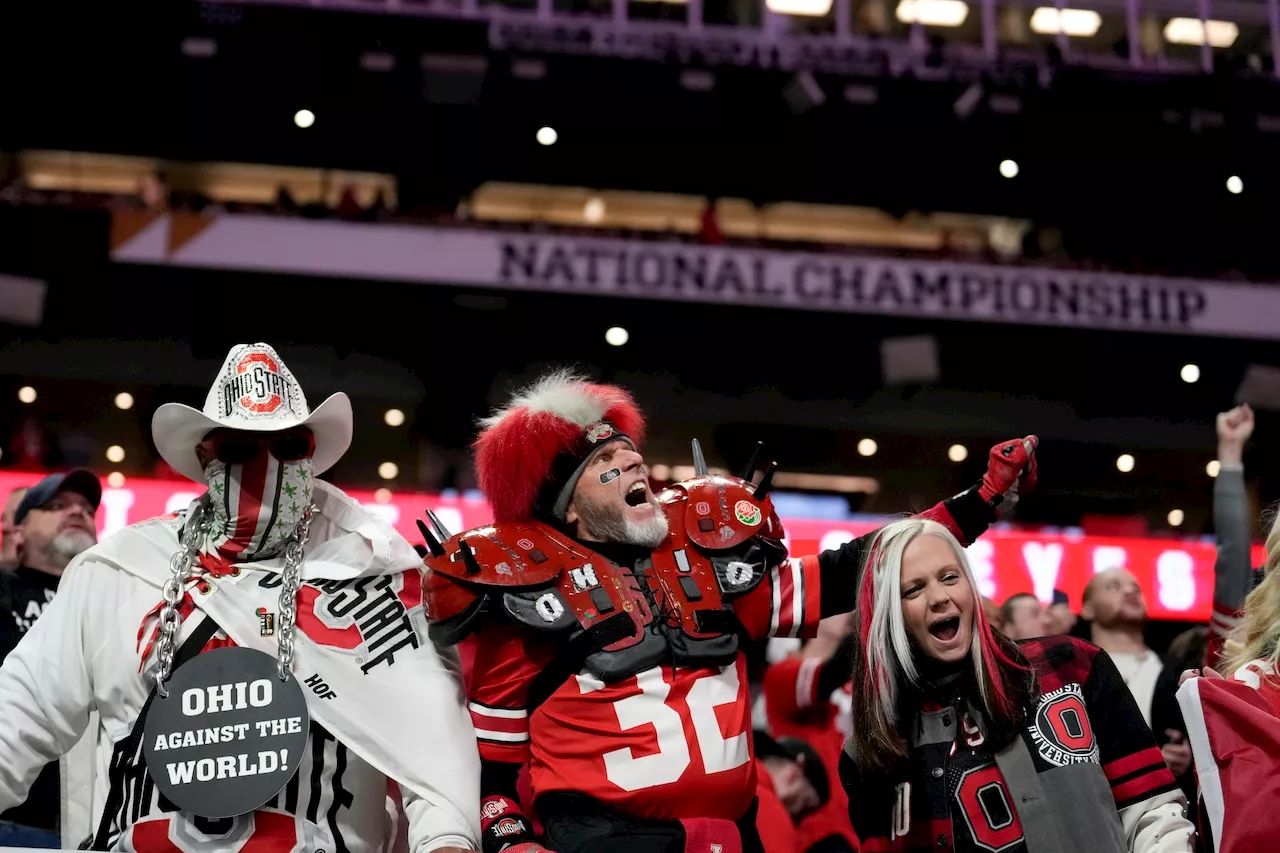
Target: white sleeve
x: 76, y: 773
x: 1159, y: 825
x: 433, y: 825
x: 46, y: 692
x: 450, y: 818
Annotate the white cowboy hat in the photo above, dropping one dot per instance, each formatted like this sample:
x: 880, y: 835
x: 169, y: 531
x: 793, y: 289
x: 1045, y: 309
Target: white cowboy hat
x: 256, y: 392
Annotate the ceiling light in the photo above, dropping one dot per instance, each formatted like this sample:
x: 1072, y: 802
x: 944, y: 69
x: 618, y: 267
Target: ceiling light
x: 867, y: 447
x: 393, y: 417
x: 1009, y: 168
x: 388, y: 470
x: 115, y: 480
x: 124, y: 400
x: 1190, y: 373
x: 1081, y: 23
x: 199, y: 48
x: 304, y: 118
x: 810, y: 8
x: 1124, y: 462
x: 1176, y: 517
x: 547, y: 136
x: 27, y: 394
x: 115, y: 453
x: 957, y: 453
x: 616, y: 336
x: 1213, y: 467
x: 1194, y: 31
x: 593, y: 210
x: 1235, y: 186
x: 382, y: 496
x: 933, y: 13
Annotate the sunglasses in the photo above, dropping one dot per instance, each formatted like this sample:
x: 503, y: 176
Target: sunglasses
x: 237, y: 448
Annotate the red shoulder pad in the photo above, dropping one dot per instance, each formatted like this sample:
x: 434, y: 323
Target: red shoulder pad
x: 443, y: 598
x: 720, y: 512
x: 515, y: 555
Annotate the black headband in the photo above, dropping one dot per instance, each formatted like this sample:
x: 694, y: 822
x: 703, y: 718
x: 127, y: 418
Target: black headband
x: 566, y: 469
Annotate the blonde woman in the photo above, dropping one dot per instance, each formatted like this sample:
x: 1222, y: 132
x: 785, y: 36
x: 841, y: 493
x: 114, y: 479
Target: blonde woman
x: 1234, y: 724
x: 1253, y: 649
x: 966, y: 741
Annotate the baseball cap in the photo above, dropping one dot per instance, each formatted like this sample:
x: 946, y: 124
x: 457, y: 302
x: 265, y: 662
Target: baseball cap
x: 794, y: 749
x: 81, y: 481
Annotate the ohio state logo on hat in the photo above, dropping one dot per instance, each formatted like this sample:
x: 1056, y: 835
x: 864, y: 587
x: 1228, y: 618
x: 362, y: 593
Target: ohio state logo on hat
x: 257, y: 386
x: 254, y: 390
x: 598, y: 432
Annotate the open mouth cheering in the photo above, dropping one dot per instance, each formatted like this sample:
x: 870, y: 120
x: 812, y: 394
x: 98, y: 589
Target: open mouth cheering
x: 946, y: 629
x: 636, y: 494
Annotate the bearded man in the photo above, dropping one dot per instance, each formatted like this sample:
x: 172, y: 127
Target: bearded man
x: 53, y: 522
x: 609, y: 623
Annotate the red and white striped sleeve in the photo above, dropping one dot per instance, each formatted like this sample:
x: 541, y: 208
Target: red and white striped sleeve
x: 499, y: 726
x: 790, y: 688
x: 505, y: 664
x: 786, y: 604
x: 1223, y: 620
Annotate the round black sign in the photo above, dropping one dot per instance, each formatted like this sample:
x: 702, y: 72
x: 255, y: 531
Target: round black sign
x: 230, y: 734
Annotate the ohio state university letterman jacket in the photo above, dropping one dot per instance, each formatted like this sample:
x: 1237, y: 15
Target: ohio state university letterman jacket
x: 1085, y: 774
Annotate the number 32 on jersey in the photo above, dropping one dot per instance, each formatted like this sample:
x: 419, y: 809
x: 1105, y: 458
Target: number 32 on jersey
x: 650, y: 707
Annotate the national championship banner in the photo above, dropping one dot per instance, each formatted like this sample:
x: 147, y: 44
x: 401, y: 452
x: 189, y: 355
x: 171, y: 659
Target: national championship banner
x: 642, y: 269
x: 1176, y: 574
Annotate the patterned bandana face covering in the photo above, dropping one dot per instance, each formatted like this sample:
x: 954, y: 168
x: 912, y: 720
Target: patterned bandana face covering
x: 256, y: 506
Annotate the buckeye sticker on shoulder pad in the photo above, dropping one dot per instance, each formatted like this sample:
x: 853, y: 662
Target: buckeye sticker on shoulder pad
x: 230, y: 734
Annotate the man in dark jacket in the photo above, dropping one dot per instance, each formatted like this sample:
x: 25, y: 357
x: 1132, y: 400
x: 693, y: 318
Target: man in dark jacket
x: 53, y: 522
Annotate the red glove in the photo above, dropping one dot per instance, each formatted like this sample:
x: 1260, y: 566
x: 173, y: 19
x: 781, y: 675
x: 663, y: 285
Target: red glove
x: 1010, y: 467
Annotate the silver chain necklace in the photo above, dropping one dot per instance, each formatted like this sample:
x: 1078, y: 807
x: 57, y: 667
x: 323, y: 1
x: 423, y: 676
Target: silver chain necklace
x: 193, y: 536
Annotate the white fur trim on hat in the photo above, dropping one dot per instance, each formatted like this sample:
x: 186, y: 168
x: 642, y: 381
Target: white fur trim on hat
x: 254, y: 391
x: 563, y: 393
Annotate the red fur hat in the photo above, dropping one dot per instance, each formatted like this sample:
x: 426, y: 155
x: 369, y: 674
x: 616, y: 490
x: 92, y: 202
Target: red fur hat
x: 532, y: 452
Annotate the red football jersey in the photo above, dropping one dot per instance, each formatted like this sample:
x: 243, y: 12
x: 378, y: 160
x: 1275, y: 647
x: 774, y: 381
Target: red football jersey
x: 794, y: 709
x: 667, y: 743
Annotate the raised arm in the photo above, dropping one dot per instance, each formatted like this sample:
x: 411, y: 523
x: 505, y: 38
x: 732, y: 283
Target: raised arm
x: 1233, y: 571
x: 1011, y: 466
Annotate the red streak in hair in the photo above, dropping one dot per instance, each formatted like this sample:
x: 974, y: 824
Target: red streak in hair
x: 866, y: 611
x: 994, y: 660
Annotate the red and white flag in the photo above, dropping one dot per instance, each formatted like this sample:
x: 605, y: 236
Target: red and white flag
x: 1235, y: 737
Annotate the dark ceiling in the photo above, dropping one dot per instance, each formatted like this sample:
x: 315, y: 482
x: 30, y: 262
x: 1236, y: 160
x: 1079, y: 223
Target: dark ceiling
x: 1113, y: 162
x: 1132, y: 167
